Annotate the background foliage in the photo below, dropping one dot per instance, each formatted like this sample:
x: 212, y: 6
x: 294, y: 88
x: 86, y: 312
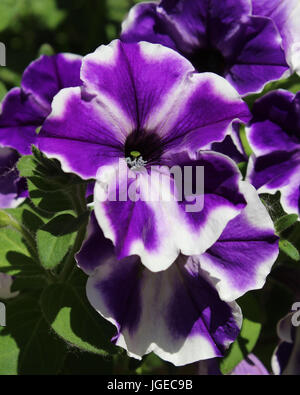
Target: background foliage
x: 51, y: 328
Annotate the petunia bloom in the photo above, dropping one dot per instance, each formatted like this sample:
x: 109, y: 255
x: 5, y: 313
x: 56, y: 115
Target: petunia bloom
x: 187, y: 312
x: 140, y: 105
x: 274, y: 135
x: 218, y: 36
x: 286, y: 15
x: 286, y: 357
x: 12, y: 187
x: 23, y: 111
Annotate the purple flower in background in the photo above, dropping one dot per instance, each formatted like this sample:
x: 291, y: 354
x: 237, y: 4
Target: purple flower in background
x: 147, y: 100
x: 286, y: 15
x: 274, y: 134
x: 187, y: 312
x: 218, y: 36
x: 23, y: 111
x: 286, y: 358
x: 250, y: 366
x: 12, y: 187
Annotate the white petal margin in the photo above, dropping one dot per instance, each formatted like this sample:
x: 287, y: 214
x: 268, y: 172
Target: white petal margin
x: 232, y: 279
x: 152, y: 331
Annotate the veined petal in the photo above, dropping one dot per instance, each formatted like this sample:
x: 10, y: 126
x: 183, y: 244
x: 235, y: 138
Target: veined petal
x: 221, y: 37
x: 275, y: 125
x: 81, y: 132
x: 164, y: 218
x: 194, y: 118
x: 144, y: 20
x: 258, y: 56
x: 24, y: 110
x: 286, y: 15
x: 136, y: 92
x: 135, y: 78
x: 279, y: 170
x: 46, y: 76
x: 176, y: 313
x: 20, y: 117
x: 243, y: 256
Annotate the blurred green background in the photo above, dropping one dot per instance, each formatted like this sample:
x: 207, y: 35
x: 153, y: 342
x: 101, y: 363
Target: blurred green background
x: 29, y: 28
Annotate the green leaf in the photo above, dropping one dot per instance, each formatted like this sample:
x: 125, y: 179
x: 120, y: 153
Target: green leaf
x: 8, y: 355
x: 5, y: 219
x: 54, y: 239
x: 28, y: 216
x: 8, y: 76
x: 50, y: 189
x: 291, y: 83
x: 248, y: 336
x: 288, y: 248
x: 66, y: 308
x: 285, y: 222
x: 29, y: 345
x: 3, y: 91
x: 13, y: 250
x: 8, y: 9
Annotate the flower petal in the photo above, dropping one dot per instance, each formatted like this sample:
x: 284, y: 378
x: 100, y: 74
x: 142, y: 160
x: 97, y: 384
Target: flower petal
x: 279, y: 170
x: 176, y: 314
x: 47, y: 75
x: 137, y: 88
x: 276, y: 123
x: 195, y: 120
x: 19, y: 119
x: 184, y: 23
x: 258, y: 59
x: 81, y: 133
x: 286, y: 15
x: 144, y: 23
x: 9, y: 179
x: 25, y: 109
x: 134, y: 78
x: 243, y: 256
x: 162, y: 219
x: 215, y: 36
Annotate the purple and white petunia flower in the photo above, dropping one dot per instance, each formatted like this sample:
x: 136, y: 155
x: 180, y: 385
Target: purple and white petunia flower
x: 218, y: 36
x: 286, y: 357
x: 286, y: 15
x: 274, y: 135
x: 140, y: 105
x: 187, y: 312
x: 23, y: 111
x: 12, y: 187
